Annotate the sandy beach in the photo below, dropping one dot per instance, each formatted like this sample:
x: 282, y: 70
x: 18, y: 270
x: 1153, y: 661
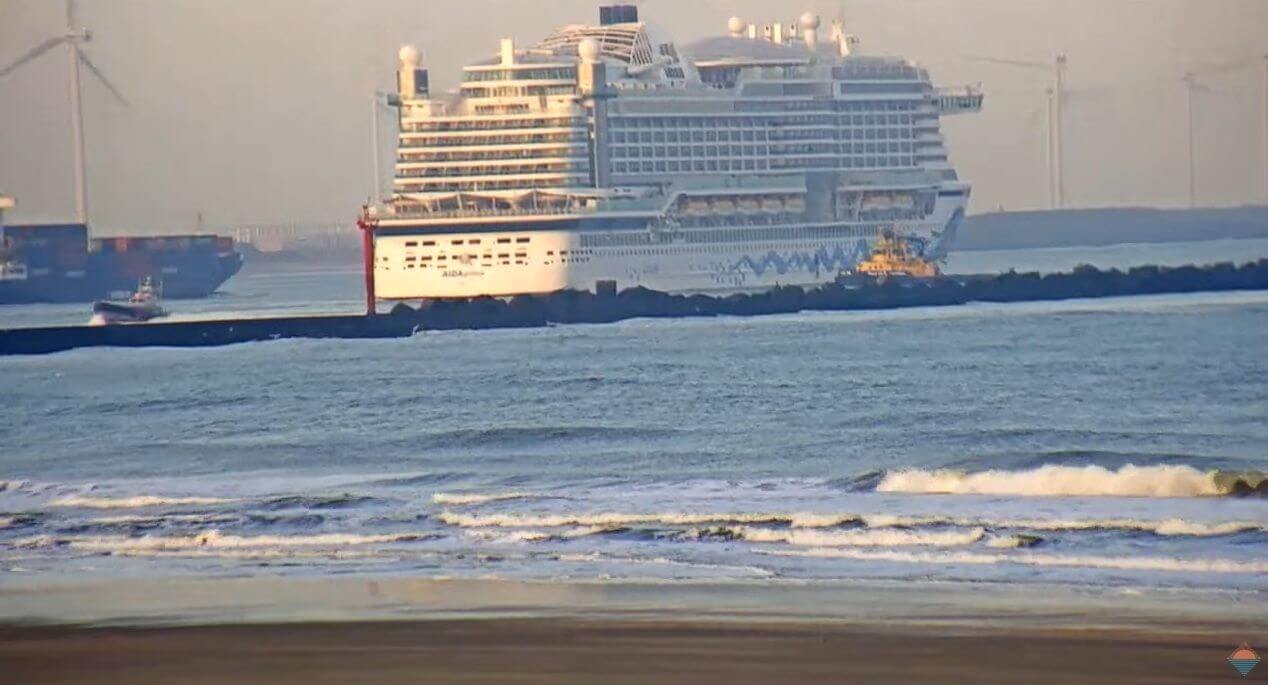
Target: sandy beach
x: 384, y: 630
x: 574, y: 650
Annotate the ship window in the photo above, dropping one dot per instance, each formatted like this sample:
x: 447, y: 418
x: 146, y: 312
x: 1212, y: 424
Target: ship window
x: 457, y: 242
x: 504, y: 240
x: 504, y: 255
x: 428, y: 243
x: 550, y: 253
x: 425, y: 259
x: 522, y: 240
x: 411, y: 243
x: 473, y: 241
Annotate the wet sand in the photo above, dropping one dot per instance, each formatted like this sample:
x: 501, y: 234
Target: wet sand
x: 607, y: 650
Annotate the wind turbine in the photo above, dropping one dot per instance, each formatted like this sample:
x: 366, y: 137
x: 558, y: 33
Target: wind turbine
x: 1191, y: 86
x: 1212, y: 70
x: 73, y: 38
x: 1057, y: 96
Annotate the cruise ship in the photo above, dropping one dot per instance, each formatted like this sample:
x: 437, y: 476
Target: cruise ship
x: 608, y: 157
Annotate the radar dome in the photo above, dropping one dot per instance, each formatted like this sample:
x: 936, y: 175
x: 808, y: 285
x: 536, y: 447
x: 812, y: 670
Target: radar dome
x: 409, y: 56
x: 809, y: 21
x: 588, y: 49
x: 736, y: 26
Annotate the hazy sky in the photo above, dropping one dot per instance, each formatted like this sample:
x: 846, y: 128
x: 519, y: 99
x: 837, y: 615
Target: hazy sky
x: 258, y: 111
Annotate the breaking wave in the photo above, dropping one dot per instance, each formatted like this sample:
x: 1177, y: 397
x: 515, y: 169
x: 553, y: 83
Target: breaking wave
x: 214, y: 539
x: 529, y: 535
x: 858, y: 537
x: 600, y: 519
x: 133, y: 502
x: 812, y: 520
x: 1074, y: 561
x: 464, y: 498
x: 1069, y: 481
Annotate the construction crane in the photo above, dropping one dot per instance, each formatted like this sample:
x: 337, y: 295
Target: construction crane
x: 73, y: 38
x: 1057, y: 97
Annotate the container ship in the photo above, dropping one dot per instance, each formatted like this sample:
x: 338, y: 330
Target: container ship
x: 59, y: 263
x: 606, y: 155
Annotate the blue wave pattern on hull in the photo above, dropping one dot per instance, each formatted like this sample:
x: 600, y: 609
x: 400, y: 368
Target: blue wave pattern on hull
x: 820, y: 260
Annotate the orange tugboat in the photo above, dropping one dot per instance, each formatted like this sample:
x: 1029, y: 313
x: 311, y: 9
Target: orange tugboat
x: 892, y: 258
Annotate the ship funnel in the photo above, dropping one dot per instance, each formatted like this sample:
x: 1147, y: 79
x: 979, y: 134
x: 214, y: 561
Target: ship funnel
x: 508, y: 51
x: 810, y: 30
x: 411, y: 80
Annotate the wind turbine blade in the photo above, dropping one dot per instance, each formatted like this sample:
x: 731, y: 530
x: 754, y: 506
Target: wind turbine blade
x: 35, y: 52
x: 104, y: 81
x: 1009, y: 62
x: 1223, y: 67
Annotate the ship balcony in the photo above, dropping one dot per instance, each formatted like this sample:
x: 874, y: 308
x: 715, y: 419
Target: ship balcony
x: 964, y: 100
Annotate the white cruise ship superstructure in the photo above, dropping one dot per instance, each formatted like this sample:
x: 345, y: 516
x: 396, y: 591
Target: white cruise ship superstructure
x: 606, y: 155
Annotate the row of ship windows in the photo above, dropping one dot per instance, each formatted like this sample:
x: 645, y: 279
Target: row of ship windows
x: 580, y: 167
x: 898, y: 129
x: 733, y: 235
x: 479, y: 124
x: 423, y: 142
x: 860, y: 113
x: 545, y: 74
x: 661, y: 151
x: 516, y: 91
x: 468, y: 241
x: 761, y: 164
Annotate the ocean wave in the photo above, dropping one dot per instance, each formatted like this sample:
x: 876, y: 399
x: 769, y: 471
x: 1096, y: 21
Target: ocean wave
x: 1073, y: 481
x: 132, y: 502
x: 316, y: 501
x: 1072, y: 561
x: 471, y: 498
x: 1166, y: 527
x: 1013, y: 541
x: 851, y: 538
x: 820, y: 520
x: 214, y: 539
x: 532, y: 535
x: 463, y: 520
x: 532, y: 435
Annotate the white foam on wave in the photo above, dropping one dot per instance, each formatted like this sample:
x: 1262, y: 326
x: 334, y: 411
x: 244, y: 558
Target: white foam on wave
x: 1062, y: 481
x: 963, y: 557
x: 141, y: 519
x: 472, y: 498
x: 600, y: 519
x: 533, y: 535
x: 214, y: 539
x: 1174, y: 526
x: 861, y: 537
x: 812, y: 520
x: 6, y: 521
x: 132, y: 502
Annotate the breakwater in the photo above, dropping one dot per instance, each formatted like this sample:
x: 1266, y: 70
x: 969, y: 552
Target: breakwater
x: 583, y: 307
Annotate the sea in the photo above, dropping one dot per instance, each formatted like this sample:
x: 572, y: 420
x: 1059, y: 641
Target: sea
x: 1089, y: 443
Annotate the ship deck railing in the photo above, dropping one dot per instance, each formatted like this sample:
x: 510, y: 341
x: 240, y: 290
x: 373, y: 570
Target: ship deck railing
x: 477, y: 213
